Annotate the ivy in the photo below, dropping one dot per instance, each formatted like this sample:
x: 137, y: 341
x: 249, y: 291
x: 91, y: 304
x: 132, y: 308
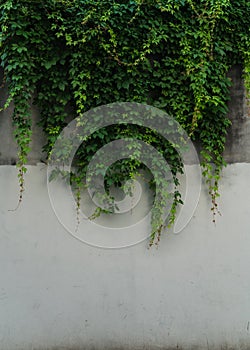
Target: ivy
x: 68, y: 57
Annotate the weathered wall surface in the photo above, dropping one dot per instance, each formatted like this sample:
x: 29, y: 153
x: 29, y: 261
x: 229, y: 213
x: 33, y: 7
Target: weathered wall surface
x: 191, y: 293
x: 238, y: 140
x: 8, y: 148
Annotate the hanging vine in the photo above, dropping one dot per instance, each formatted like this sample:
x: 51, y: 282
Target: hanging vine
x: 75, y: 55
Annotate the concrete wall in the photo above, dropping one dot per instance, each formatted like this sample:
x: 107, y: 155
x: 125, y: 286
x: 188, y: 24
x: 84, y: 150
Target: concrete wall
x: 8, y: 148
x: 59, y: 293
x: 193, y: 292
x: 238, y: 139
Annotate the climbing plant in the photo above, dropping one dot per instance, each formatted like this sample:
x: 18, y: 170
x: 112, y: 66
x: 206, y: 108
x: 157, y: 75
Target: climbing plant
x: 69, y: 56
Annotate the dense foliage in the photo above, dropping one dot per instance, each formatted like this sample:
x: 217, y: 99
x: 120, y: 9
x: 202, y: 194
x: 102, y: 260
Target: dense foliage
x: 79, y: 54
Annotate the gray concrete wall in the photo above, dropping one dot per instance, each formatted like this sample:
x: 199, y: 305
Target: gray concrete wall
x: 238, y: 139
x: 59, y: 293
x: 192, y: 292
x: 8, y: 147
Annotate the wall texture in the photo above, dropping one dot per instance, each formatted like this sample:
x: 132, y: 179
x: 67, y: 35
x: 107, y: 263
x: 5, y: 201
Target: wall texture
x: 191, y: 293
x: 59, y: 293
